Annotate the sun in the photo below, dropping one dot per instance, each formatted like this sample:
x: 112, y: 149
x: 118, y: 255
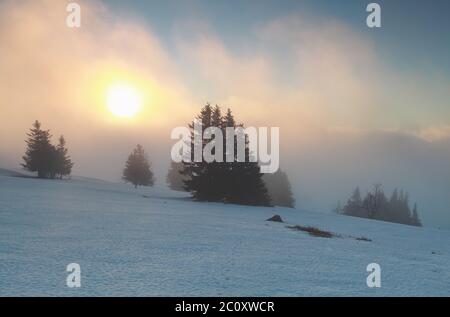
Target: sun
x: 123, y: 100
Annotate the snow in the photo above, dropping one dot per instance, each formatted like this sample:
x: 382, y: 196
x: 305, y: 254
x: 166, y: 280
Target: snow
x: 156, y: 242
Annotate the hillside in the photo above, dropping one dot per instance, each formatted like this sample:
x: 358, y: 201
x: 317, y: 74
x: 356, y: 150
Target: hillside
x: 154, y: 241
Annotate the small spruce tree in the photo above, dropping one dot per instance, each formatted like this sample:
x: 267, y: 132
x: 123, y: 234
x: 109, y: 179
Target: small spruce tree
x: 63, y: 164
x: 137, y: 169
x: 279, y: 189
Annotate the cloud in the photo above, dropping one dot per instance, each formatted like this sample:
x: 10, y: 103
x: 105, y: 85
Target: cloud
x: 319, y: 72
x: 432, y: 134
x: 60, y: 75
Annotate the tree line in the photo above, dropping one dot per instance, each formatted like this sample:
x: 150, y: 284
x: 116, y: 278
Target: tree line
x: 376, y: 205
x: 233, y: 182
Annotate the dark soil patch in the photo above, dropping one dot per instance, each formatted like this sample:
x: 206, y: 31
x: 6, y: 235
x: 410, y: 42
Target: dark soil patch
x: 363, y: 239
x: 314, y: 231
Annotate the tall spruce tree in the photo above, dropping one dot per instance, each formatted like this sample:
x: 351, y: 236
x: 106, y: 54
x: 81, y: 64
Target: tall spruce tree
x: 196, y: 173
x: 244, y: 181
x: 137, y: 169
x: 234, y: 182
x: 40, y: 153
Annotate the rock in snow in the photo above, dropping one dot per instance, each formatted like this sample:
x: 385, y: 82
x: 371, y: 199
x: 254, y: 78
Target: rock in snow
x: 275, y: 218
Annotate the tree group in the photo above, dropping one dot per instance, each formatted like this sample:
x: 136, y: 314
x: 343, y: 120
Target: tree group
x: 41, y: 156
x: 233, y: 182
x: 376, y: 205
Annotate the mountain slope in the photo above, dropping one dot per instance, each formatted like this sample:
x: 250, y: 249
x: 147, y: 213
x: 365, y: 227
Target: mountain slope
x: 154, y: 241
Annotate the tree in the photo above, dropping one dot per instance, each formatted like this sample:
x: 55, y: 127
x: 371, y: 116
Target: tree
x: 354, y: 205
x: 375, y: 203
x: 279, y: 189
x: 63, y: 163
x: 234, y: 182
x: 137, y: 169
x: 243, y: 180
x: 197, y: 180
x: 415, y: 217
x: 175, y: 178
x: 40, y: 153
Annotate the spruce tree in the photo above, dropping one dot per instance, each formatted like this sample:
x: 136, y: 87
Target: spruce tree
x: 63, y: 164
x: 175, y: 177
x: 279, y: 189
x: 234, y: 182
x: 415, y: 217
x: 354, y: 205
x: 137, y: 169
x: 40, y: 153
x: 196, y: 173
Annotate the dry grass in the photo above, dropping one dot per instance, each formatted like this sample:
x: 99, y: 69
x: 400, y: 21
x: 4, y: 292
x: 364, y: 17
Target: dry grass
x: 314, y: 231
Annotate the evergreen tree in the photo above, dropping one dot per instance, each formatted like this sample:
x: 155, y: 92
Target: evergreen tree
x: 63, y: 163
x: 374, y: 204
x: 40, y: 153
x: 244, y: 181
x: 235, y: 182
x: 279, y: 189
x: 137, y: 169
x: 196, y: 173
x: 216, y: 171
x: 354, y: 205
x: 175, y: 177
x: 415, y: 217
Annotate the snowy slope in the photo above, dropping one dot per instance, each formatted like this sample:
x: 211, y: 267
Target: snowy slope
x: 164, y: 244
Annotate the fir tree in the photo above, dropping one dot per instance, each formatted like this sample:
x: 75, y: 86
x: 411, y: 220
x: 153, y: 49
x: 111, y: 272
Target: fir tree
x: 415, y: 217
x: 196, y: 173
x: 175, y: 177
x: 244, y: 182
x: 63, y: 164
x: 279, y: 189
x: 235, y: 182
x: 137, y: 169
x: 40, y: 153
x: 354, y: 205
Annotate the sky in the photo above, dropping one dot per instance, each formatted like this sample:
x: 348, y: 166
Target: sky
x: 355, y: 105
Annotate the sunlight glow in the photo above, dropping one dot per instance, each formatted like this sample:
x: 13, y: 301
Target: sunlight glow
x: 123, y: 100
